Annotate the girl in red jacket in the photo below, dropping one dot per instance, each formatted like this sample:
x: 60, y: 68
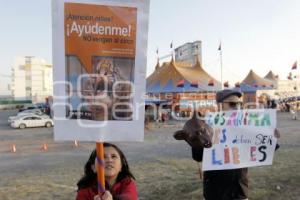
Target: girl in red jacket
x: 120, y: 183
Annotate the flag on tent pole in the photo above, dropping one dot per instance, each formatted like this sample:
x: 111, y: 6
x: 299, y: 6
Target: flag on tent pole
x: 290, y: 77
x: 220, y: 47
x: 294, y: 65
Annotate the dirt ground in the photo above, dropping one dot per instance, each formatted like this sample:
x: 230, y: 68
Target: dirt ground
x: 163, y: 167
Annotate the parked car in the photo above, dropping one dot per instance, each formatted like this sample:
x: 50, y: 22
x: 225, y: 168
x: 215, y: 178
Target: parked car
x: 12, y: 118
x: 31, y: 111
x: 24, y: 113
x: 28, y: 108
x: 42, y: 106
x: 31, y: 121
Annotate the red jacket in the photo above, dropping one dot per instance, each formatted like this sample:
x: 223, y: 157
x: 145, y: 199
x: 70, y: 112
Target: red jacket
x: 123, y: 190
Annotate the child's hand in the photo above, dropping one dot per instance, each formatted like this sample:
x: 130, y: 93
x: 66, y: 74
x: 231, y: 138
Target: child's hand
x: 105, y: 196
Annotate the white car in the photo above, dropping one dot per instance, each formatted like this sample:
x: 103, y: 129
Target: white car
x: 32, y: 111
x: 25, y: 113
x: 31, y: 121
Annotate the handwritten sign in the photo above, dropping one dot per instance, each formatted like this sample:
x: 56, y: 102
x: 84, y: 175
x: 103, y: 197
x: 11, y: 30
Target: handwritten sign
x: 243, y: 138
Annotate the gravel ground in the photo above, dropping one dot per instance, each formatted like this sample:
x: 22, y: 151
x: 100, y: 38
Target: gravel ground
x: 163, y: 166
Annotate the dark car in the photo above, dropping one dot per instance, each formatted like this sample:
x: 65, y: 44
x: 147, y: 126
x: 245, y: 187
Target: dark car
x: 28, y: 108
x: 44, y: 107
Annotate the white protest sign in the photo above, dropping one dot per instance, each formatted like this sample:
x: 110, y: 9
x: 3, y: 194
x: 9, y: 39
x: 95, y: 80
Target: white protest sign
x: 242, y: 138
x: 99, y: 61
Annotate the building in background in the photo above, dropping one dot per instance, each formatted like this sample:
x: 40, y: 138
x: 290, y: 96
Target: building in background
x: 31, y: 79
x: 288, y: 88
x: 189, y: 52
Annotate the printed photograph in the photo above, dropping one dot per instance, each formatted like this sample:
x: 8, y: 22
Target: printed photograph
x: 105, y: 94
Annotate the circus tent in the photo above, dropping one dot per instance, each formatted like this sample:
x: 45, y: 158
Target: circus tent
x: 253, y: 82
x: 178, y: 77
x: 271, y: 76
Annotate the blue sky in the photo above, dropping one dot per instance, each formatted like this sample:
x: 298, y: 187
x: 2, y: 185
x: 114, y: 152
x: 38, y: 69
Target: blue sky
x: 255, y: 34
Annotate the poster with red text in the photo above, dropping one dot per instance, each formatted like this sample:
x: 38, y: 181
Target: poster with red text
x: 99, y: 59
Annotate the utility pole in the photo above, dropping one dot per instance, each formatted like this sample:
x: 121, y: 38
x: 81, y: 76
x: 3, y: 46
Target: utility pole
x: 221, y: 63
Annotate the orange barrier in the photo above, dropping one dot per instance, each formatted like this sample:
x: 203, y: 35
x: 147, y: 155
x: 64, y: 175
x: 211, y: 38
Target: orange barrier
x: 76, y: 144
x: 45, y: 147
x: 13, y: 148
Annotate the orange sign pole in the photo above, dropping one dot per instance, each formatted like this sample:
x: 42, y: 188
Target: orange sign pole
x: 100, y: 167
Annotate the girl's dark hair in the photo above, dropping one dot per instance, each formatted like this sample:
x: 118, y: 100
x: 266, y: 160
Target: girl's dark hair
x: 90, y: 177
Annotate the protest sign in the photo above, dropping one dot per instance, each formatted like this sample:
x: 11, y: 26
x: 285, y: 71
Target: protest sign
x: 242, y: 138
x: 99, y: 59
